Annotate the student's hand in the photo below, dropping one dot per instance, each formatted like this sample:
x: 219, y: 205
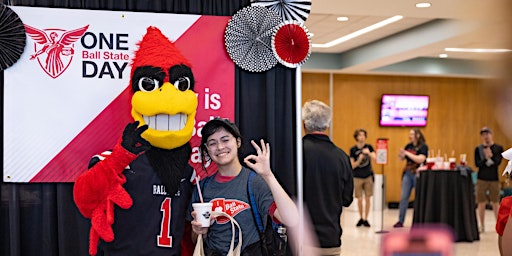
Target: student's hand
x: 366, y: 151
x: 260, y: 163
x: 196, y: 226
x: 487, y: 152
x: 401, y: 154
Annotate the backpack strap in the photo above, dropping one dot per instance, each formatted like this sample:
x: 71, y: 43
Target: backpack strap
x: 254, y: 206
x: 208, y: 178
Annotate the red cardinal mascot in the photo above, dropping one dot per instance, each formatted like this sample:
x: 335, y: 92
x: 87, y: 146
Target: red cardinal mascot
x: 137, y: 194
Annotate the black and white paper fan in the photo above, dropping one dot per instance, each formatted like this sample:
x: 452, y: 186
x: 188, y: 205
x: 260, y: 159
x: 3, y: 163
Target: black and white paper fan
x: 288, y: 9
x: 12, y: 37
x: 291, y: 43
x: 248, y: 38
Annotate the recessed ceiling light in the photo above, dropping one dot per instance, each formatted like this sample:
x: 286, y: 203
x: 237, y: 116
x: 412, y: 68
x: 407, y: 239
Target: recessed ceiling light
x: 342, y: 18
x: 359, y: 32
x: 477, y: 50
x: 423, y: 5
x: 443, y: 55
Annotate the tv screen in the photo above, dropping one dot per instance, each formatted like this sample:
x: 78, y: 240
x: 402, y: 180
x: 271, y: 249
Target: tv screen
x: 404, y: 110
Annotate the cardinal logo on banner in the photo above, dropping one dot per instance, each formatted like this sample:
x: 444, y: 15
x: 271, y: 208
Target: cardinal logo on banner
x: 54, y: 48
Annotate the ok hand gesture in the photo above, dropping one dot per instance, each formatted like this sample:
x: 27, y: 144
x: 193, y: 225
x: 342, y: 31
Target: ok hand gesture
x: 260, y: 163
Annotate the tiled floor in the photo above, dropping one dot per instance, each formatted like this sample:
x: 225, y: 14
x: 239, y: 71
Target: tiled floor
x: 363, y: 241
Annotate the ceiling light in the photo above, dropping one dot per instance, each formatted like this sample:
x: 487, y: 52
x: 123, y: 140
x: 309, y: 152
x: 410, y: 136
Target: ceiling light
x: 423, y: 5
x: 359, y: 32
x: 477, y: 50
x: 443, y: 55
x: 342, y: 18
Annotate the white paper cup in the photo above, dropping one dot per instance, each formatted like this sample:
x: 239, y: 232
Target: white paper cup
x: 439, y: 163
x: 203, y: 213
x: 507, y: 154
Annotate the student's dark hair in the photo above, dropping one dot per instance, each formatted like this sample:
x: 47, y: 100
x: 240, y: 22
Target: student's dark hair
x: 356, y: 133
x: 212, y: 127
x: 421, y: 138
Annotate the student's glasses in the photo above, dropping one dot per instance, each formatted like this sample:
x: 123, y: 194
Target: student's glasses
x: 223, y: 141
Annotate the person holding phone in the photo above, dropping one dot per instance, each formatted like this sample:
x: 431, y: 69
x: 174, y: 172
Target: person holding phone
x: 361, y: 156
x: 227, y: 189
x: 414, y: 153
x: 487, y: 158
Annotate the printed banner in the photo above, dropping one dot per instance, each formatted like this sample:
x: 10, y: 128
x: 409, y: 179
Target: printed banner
x: 68, y: 97
x: 381, y: 149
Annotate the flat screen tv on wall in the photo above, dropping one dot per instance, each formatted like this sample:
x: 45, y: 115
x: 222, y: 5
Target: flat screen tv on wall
x: 404, y: 110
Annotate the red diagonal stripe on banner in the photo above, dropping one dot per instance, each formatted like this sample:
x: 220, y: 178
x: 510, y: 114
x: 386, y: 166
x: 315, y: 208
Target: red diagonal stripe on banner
x: 101, y: 134
x: 203, y: 38
x: 197, y: 44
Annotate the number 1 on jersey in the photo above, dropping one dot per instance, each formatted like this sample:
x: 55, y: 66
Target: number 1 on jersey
x: 165, y: 238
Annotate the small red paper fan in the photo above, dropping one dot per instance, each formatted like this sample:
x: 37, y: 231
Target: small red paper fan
x: 291, y: 43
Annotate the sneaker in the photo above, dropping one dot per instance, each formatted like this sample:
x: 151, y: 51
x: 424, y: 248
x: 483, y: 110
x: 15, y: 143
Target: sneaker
x: 398, y: 225
x: 366, y: 223
x: 360, y: 223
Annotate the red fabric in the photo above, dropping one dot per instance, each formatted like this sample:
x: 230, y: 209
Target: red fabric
x: 187, y: 246
x: 271, y: 210
x: 222, y: 179
x: 503, y: 213
x: 98, y: 189
x: 156, y: 50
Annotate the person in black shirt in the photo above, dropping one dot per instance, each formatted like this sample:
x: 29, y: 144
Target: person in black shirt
x: 328, y: 182
x: 487, y: 158
x: 414, y: 153
x: 361, y: 156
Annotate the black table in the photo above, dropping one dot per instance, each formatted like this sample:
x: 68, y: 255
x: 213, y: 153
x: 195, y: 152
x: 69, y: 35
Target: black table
x: 447, y: 196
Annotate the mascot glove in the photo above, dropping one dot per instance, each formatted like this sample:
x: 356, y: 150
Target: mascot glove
x: 132, y: 139
x: 102, y: 217
x: 97, y: 190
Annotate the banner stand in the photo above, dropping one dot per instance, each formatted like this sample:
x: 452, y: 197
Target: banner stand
x: 383, y: 203
x: 382, y: 156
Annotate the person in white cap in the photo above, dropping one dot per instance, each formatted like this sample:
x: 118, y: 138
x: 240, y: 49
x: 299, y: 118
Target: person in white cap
x: 487, y: 158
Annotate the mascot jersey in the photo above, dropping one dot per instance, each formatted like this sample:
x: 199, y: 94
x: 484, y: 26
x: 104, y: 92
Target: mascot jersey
x: 137, y: 194
x: 149, y: 227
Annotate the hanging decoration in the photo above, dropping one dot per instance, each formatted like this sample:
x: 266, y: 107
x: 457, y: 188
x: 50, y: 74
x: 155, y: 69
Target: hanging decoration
x: 288, y: 9
x: 12, y: 37
x: 291, y: 43
x: 248, y: 38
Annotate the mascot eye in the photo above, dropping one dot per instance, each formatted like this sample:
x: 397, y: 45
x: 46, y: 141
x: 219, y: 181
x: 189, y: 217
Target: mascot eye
x: 147, y: 84
x: 182, y: 84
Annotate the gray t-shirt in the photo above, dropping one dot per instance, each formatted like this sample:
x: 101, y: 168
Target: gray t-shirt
x: 232, y: 198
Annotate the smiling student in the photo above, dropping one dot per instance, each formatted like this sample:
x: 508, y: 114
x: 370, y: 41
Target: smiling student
x: 227, y: 189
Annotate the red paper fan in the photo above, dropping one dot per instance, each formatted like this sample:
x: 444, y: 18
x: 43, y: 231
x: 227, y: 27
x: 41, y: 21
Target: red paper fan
x: 291, y: 43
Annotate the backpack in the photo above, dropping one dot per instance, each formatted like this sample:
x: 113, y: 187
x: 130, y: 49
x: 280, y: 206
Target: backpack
x: 273, y: 238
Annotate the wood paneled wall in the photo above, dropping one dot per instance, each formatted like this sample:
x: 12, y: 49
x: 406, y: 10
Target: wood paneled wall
x: 458, y: 109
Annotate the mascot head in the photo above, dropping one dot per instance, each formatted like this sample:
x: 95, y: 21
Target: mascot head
x: 163, y: 86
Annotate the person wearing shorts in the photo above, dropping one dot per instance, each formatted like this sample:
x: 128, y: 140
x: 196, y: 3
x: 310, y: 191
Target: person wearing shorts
x: 361, y: 156
x: 487, y: 158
